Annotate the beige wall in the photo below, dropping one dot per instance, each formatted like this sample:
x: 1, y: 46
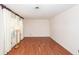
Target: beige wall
x: 36, y: 27
x: 65, y: 29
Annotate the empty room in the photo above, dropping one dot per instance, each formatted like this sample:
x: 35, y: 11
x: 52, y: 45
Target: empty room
x: 39, y: 29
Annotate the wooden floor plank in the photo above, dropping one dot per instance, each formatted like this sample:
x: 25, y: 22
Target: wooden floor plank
x: 38, y: 46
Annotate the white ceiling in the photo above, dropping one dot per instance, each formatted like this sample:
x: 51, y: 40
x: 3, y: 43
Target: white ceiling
x: 45, y: 11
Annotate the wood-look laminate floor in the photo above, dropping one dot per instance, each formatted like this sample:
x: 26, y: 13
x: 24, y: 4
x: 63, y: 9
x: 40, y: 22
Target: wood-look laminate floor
x: 38, y: 46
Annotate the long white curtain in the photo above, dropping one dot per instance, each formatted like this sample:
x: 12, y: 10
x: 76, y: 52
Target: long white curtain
x: 21, y: 27
x: 11, y: 30
x: 1, y: 32
x: 7, y: 25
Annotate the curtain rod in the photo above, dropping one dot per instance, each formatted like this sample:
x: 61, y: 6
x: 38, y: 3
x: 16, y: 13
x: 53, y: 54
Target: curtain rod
x: 3, y: 6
